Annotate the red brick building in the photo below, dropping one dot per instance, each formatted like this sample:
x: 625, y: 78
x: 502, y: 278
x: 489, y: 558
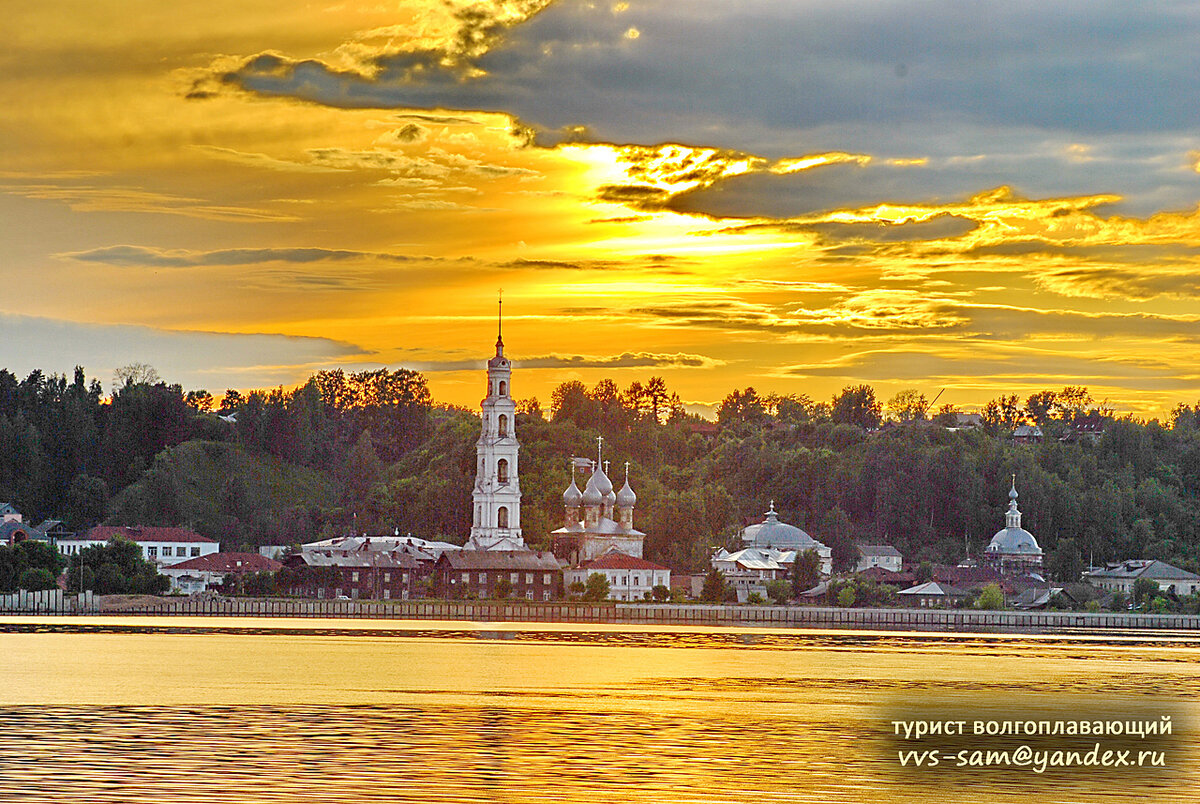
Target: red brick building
x: 358, y: 575
x: 487, y: 573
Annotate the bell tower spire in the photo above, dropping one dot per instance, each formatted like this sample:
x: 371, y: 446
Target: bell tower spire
x: 500, y: 323
x: 496, y: 520
x: 1012, y: 518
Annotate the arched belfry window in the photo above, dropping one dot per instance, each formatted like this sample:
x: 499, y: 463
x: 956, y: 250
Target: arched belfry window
x: 503, y: 388
x: 502, y: 471
x: 502, y: 517
x: 503, y: 426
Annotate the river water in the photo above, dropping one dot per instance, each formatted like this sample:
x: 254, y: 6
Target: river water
x: 256, y: 710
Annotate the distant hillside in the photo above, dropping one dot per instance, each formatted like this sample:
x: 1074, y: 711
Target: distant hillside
x: 228, y: 493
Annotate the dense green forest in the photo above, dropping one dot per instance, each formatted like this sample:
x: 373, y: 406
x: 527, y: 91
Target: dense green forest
x: 372, y: 452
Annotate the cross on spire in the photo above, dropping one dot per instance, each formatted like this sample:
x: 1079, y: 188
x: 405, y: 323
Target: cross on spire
x: 500, y: 319
x: 599, y: 449
x: 626, y: 471
x: 606, y: 463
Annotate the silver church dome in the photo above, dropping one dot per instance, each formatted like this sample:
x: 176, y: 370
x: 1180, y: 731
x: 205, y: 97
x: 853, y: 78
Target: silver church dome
x: 780, y: 535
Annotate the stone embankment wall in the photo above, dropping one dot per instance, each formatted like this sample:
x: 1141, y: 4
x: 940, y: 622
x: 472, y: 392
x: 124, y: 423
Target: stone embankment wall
x: 631, y: 613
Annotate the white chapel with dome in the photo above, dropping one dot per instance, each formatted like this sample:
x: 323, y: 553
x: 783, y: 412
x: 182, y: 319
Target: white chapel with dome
x: 1013, y: 550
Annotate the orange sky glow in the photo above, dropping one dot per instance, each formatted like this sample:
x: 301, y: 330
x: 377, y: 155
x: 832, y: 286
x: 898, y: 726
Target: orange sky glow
x: 792, y: 196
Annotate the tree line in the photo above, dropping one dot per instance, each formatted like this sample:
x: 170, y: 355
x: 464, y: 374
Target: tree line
x: 373, y: 452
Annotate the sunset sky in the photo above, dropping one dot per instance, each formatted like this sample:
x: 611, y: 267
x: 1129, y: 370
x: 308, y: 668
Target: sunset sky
x: 984, y: 198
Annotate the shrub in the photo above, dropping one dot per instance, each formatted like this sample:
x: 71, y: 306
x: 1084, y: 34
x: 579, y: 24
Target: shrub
x: 991, y: 598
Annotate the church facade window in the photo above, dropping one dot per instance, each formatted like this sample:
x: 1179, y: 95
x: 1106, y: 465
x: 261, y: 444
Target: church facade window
x: 502, y: 471
x: 503, y: 426
x: 503, y: 388
x: 502, y: 517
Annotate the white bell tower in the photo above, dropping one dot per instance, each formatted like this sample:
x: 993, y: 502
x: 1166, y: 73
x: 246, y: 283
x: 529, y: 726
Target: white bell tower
x: 496, y: 520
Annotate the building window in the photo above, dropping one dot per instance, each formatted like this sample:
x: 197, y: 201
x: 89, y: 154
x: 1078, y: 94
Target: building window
x: 181, y: 551
x: 404, y: 578
x: 466, y: 576
x: 514, y: 578
x: 354, y: 577
x: 387, y: 594
x: 387, y: 577
x: 503, y: 388
x: 503, y: 426
x: 502, y: 471
x: 152, y: 552
x: 529, y: 594
x: 195, y: 551
x: 502, y: 517
x: 546, y: 578
x: 483, y: 578
x: 546, y: 595
x: 529, y: 578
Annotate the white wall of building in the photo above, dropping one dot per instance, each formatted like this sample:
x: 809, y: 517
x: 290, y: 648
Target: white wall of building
x: 624, y: 584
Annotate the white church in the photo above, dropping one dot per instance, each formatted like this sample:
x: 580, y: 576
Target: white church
x: 598, y: 519
x: 598, y: 535
x: 496, y: 522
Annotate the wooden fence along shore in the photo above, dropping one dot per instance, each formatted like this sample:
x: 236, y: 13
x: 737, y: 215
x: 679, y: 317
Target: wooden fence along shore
x: 630, y: 613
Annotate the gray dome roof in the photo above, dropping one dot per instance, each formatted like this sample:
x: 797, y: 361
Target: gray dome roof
x: 572, y: 497
x: 625, y: 497
x: 591, y: 494
x: 773, y: 533
x: 1012, y: 541
x: 603, y: 484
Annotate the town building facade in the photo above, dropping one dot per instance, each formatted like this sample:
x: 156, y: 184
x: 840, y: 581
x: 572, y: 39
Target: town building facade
x: 208, y: 572
x: 1122, y: 577
x: 162, y: 547
x: 629, y: 577
x: 361, y: 573
x: 482, y: 574
x: 883, y: 556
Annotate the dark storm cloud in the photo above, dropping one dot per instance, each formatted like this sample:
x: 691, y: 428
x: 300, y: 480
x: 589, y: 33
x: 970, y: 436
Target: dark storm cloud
x: 1093, y: 67
x: 992, y: 93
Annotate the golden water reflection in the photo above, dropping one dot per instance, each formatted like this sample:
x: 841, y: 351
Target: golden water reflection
x: 189, y: 710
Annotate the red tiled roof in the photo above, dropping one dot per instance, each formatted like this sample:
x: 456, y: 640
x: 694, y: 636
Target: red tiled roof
x: 886, y: 576
x: 229, y: 562
x: 616, y: 560
x: 965, y: 576
x: 145, y: 533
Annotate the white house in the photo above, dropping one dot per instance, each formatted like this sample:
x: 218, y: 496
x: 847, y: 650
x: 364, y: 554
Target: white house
x: 1121, y: 577
x: 629, y: 577
x: 160, y: 546
x: 879, y: 555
